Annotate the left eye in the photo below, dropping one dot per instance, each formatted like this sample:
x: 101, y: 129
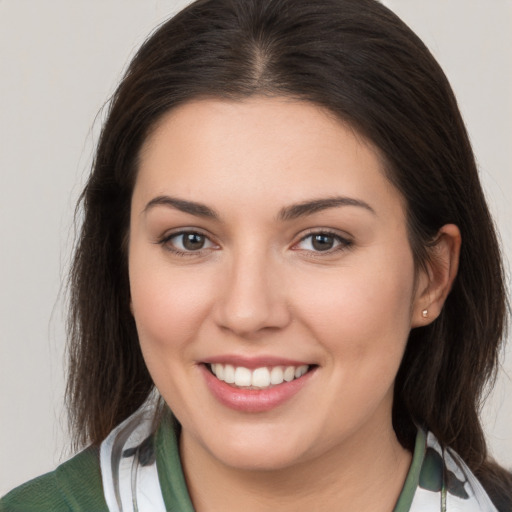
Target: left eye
x: 322, y: 242
x: 189, y: 241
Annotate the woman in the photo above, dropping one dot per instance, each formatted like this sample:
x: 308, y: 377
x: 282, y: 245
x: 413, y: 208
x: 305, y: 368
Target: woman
x: 285, y: 235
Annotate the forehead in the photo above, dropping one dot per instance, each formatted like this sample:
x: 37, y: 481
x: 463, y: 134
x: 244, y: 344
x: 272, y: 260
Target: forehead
x: 278, y: 149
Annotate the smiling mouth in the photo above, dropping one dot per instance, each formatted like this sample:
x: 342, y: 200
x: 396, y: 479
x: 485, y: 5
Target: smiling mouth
x: 259, y: 378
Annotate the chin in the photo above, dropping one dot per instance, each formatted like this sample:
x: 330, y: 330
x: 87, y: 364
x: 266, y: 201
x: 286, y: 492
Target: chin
x: 259, y: 448
x: 259, y: 459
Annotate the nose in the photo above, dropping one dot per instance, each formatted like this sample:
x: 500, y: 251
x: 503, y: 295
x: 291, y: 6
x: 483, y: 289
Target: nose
x: 252, y: 298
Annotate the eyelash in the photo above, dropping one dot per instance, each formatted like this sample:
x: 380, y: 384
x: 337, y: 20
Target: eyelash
x: 343, y: 243
x: 165, y: 243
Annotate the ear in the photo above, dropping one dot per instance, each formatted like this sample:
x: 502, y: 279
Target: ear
x: 435, y: 281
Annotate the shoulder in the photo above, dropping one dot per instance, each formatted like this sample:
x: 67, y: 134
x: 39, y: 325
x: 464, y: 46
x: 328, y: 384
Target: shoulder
x: 445, y: 475
x: 73, y: 486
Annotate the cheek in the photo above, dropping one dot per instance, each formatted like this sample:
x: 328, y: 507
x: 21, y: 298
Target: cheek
x: 168, y: 306
x: 361, y: 311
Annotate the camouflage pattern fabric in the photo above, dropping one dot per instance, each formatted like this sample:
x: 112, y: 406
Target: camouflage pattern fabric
x: 446, y: 484
x: 438, y: 480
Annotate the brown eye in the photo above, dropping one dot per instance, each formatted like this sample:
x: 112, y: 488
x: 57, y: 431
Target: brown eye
x: 193, y: 241
x: 187, y: 242
x: 322, y: 242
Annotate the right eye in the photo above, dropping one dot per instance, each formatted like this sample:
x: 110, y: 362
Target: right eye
x: 187, y: 242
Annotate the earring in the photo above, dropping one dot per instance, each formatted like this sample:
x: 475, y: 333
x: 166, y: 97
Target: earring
x: 424, y: 313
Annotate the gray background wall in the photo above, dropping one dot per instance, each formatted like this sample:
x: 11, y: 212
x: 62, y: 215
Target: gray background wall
x: 59, y: 62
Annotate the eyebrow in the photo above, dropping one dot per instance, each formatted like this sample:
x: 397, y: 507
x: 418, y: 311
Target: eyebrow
x: 197, y: 209
x: 310, y: 207
x: 287, y: 213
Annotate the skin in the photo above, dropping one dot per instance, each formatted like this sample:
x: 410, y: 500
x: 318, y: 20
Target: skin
x: 259, y: 287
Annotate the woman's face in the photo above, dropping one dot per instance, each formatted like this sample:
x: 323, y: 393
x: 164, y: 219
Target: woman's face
x: 265, y: 242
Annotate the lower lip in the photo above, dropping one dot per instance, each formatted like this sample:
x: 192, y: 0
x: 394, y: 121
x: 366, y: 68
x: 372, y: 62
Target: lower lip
x: 253, y: 400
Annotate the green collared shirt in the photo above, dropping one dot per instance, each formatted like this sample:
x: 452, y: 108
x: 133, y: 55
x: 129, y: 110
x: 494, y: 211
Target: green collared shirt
x: 76, y: 485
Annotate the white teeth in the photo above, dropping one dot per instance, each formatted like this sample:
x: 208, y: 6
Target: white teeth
x: 301, y: 370
x: 289, y: 373
x: 219, y: 371
x: 243, y: 376
x: 229, y: 374
x: 259, y: 378
x: 276, y: 375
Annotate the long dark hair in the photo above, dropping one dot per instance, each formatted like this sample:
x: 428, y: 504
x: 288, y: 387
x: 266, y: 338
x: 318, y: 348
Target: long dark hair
x: 359, y: 60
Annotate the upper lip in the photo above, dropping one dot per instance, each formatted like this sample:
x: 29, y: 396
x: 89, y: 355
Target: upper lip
x: 254, y: 362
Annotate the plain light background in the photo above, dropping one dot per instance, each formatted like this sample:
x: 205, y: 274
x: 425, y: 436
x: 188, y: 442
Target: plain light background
x: 59, y: 63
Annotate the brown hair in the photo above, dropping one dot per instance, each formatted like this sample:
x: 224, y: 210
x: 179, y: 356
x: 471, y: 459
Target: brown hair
x: 359, y: 60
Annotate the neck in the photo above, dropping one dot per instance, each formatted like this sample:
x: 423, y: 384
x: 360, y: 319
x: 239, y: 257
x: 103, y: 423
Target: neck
x: 365, y: 473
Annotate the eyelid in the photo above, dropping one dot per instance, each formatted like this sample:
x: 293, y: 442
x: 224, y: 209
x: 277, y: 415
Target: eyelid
x: 169, y: 235
x: 345, y: 240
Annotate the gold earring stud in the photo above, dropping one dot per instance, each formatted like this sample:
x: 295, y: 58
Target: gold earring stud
x: 424, y: 313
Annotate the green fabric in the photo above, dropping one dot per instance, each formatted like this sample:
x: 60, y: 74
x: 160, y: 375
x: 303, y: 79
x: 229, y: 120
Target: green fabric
x: 76, y: 485
x: 73, y: 486
x: 411, y: 482
x: 174, y: 488
x: 170, y: 473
